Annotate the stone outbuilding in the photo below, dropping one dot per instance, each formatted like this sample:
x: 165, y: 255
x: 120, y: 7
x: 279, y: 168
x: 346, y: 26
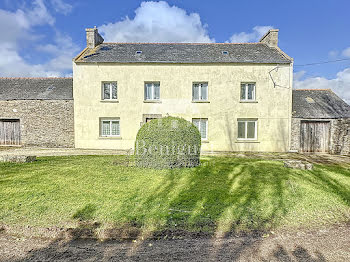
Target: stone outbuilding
x: 320, y: 122
x: 36, y: 112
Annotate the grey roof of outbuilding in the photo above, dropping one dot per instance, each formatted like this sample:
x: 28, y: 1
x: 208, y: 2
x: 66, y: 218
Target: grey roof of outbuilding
x: 36, y: 88
x: 312, y: 104
x: 183, y: 53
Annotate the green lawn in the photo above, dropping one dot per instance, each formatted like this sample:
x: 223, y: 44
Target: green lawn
x: 223, y: 194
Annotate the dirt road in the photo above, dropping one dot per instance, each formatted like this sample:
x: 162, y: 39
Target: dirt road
x: 327, y: 244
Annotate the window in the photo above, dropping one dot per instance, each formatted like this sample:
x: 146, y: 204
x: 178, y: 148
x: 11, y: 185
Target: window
x: 138, y: 52
x: 149, y: 119
x: 248, y: 92
x: 152, y: 91
x: 247, y: 129
x: 109, y: 91
x: 110, y: 127
x: 200, y: 92
x: 225, y: 52
x: 202, y: 125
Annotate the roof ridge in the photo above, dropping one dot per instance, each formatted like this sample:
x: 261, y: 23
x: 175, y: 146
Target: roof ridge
x: 177, y: 43
x: 19, y: 77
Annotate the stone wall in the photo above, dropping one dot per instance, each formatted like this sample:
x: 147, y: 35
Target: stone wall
x: 295, y: 135
x: 44, y: 123
x: 339, y: 136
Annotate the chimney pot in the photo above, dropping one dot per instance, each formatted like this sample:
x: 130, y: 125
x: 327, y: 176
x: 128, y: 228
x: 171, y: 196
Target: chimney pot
x: 270, y: 38
x: 93, y: 38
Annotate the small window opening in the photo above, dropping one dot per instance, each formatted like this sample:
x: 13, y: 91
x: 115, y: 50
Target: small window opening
x: 139, y: 52
x: 225, y: 52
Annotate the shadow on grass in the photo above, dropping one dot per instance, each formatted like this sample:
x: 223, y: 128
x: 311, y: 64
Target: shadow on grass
x: 223, y: 197
x: 86, y: 212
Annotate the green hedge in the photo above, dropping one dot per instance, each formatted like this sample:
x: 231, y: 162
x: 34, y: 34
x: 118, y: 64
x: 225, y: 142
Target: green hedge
x: 168, y: 142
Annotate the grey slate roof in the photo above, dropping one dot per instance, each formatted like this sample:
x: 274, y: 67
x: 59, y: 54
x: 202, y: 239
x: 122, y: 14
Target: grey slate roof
x: 183, y: 53
x: 36, y: 88
x: 318, y: 104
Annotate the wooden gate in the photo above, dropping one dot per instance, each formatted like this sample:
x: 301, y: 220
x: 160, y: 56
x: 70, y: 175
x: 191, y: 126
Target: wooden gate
x: 314, y: 136
x: 10, y: 132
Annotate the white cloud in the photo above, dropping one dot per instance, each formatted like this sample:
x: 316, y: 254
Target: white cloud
x: 39, y: 14
x: 340, y: 84
x: 333, y: 54
x: 298, y: 75
x: 336, y: 54
x: 63, y: 51
x: 19, y: 23
x: 346, y: 52
x: 61, y: 7
x: 20, y: 29
x: 157, y: 22
x: 14, y: 65
x: 254, y: 36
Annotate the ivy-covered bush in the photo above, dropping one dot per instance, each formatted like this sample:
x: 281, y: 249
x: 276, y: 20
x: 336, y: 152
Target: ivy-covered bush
x: 168, y: 142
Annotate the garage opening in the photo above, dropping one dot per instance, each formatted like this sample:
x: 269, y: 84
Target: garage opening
x: 315, y: 136
x: 10, y: 132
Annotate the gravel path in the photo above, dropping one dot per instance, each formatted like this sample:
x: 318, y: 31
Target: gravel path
x: 58, y: 151
x: 327, y: 244
x: 313, y: 158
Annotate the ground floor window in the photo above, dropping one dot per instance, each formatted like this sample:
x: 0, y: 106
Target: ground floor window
x: 202, y: 125
x: 109, y: 127
x: 247, y: 129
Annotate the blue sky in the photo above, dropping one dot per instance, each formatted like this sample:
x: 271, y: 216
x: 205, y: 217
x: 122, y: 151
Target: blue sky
x: 40, y: 37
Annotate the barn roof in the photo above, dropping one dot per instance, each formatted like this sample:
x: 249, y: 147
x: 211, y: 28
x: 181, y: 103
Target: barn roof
x: 318, y: 103
x: 36, y: 88
x: 183, y: 53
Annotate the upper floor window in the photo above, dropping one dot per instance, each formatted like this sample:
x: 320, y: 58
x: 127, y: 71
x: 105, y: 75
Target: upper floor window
x: 247, y: 129
x: 202, y: 125
x: 152, y: 91
x: 200, y: 91
x: 110, y: 127
x: 109, y: 91
x: 248, y: 92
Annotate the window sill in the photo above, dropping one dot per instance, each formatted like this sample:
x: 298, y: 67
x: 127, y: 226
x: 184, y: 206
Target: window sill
x: 109, y: 101
x: 247, y: 101
x: 110, y: 137
x: 205, y: 141
x: 247, y: 141
x: 199, y: 101
x: 152, y: 101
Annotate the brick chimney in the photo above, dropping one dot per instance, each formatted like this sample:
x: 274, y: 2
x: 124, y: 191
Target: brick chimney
x: 270, y: 38
x: 93, y: 38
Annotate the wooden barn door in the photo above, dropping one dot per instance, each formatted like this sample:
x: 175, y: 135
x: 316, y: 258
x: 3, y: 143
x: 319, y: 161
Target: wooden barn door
x: 314, y: 136
x: 10, y: 133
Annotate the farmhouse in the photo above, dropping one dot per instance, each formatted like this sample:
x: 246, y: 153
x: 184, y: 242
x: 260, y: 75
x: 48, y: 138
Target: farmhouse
x: 238, y: 95
x: 36, y: 112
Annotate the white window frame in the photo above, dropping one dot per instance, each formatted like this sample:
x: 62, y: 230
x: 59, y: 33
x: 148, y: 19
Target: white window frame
x: 246, y: 121
x: 200, y: 91
x: 110, y: 120
x: 246, y: 92
x: 152, y: 91
x: 110, y: 91
x: 206, y: 127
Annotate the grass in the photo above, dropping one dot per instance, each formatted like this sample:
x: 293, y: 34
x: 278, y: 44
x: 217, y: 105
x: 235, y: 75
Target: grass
x: 223, y: 194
